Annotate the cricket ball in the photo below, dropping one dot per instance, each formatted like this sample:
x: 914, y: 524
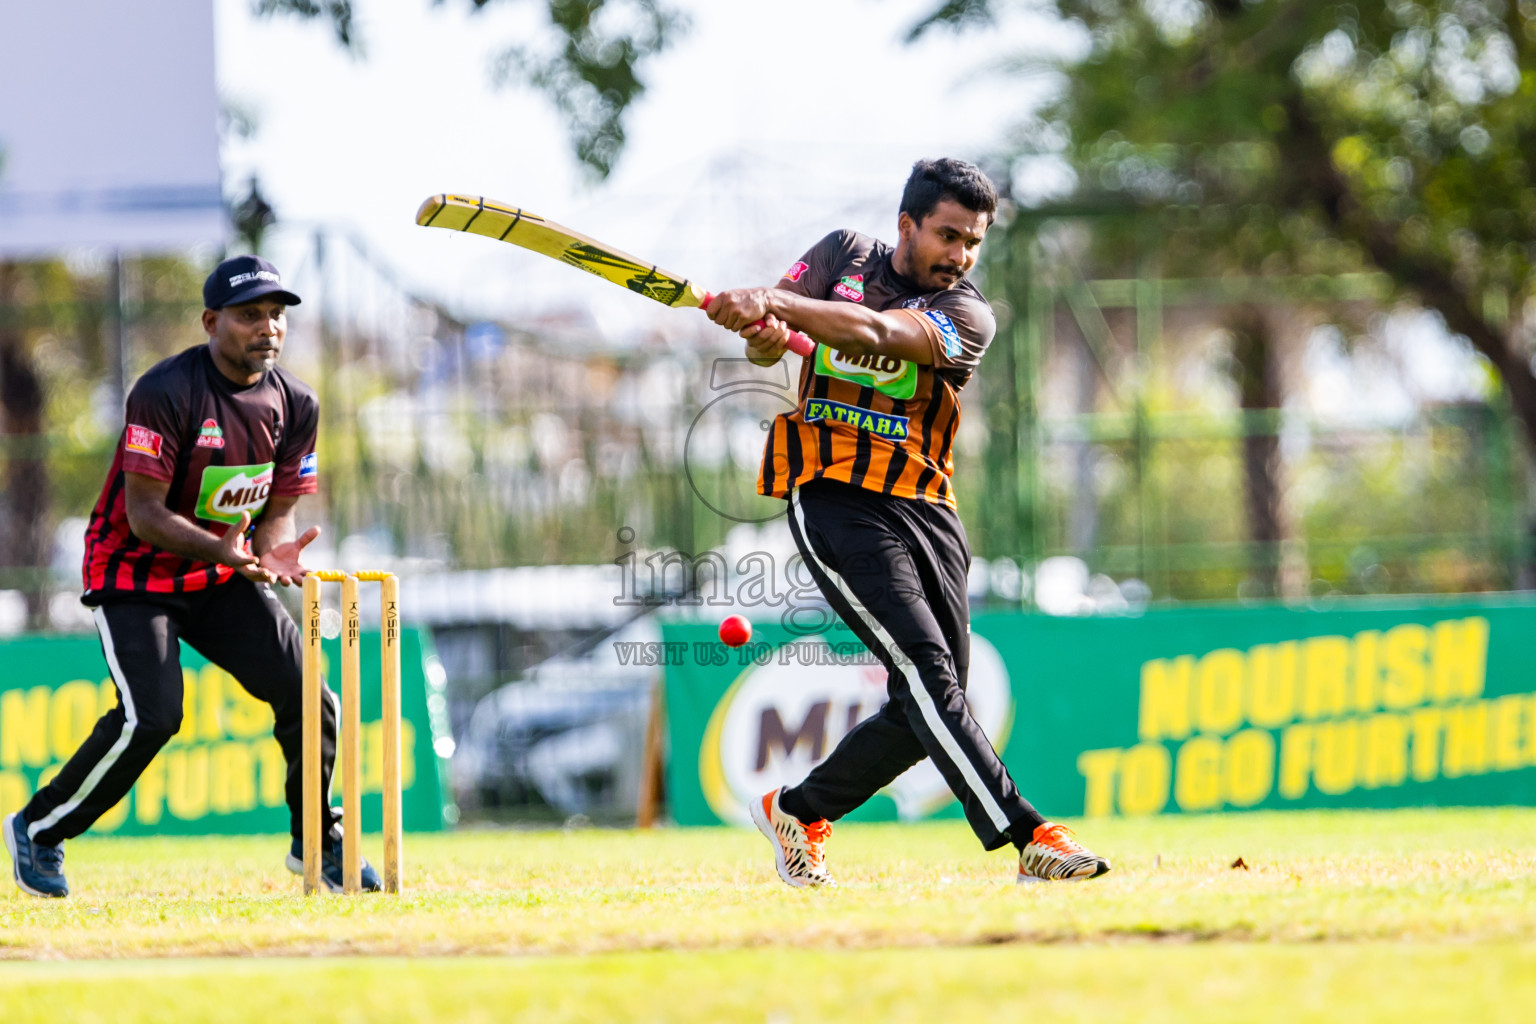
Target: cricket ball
x: 735, y: 631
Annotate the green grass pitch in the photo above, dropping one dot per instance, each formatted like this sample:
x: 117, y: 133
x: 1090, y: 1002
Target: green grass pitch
x: 1386, y: 916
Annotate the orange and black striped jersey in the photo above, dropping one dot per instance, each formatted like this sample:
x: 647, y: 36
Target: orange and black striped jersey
x: 876, y: 422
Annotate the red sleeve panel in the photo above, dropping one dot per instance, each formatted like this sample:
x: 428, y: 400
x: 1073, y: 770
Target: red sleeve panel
x: 152, y: 437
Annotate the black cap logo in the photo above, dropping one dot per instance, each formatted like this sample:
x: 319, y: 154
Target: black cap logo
x: 241, y: 279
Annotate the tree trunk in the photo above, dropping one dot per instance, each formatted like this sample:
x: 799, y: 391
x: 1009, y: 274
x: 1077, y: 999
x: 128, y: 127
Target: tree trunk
x: 1255, y: 370
x: 24, y: 543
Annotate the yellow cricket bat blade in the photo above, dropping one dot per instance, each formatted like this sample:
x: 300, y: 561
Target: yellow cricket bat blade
x: 478, y: 215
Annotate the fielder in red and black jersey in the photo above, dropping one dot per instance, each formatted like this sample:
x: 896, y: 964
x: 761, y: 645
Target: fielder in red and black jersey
x: 864, y: 461
x: 194, y: 524
x: 222, y: 450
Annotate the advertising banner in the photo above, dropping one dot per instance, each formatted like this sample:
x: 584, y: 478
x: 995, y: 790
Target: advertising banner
x: 1369, y: 704
x: 222, y: 772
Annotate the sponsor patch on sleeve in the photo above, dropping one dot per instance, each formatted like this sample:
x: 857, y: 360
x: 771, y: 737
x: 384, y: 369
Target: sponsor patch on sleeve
x: 309, y: 465
x: 947, y: 331
x: 794, y: 273
x: 850, y: 288
x: 144, y: 441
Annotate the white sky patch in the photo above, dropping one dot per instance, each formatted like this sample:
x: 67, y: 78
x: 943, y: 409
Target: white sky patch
x: 1410, y: 362
x: 771, y: 123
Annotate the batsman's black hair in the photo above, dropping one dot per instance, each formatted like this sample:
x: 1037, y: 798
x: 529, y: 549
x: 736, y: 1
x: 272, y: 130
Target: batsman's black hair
x: 933, y: 180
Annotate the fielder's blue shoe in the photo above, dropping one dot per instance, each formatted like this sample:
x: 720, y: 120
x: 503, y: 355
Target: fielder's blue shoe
x: 330, y: 865
x: 39, y: 868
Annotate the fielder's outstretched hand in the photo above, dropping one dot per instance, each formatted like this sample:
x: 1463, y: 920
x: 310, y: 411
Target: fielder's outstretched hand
x: 282, y: 562
x: 236, y: 552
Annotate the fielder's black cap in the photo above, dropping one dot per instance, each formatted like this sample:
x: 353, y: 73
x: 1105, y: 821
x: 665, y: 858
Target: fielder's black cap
x: 244, y: 279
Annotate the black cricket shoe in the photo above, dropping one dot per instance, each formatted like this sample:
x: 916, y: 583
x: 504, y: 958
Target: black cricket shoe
x: 330, y: 865
x: 39, y: 868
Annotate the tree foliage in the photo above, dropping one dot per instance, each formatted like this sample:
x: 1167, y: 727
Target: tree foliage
x: 1296, y: 136
x: 589, y: 68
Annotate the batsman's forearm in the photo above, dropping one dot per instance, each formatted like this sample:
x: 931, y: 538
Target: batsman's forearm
x: 851, y: 328
x: 178, y: 535
x: 845, y: 326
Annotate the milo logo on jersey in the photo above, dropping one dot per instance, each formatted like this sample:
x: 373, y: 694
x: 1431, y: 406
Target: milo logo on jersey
x: 229, y: 490
x: 886, y: 374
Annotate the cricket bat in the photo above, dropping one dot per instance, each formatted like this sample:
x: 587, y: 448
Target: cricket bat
x: 480, y: 216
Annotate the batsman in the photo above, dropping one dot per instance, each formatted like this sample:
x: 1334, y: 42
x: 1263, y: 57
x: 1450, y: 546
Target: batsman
x: 217, y: 438
x: 864, y: 462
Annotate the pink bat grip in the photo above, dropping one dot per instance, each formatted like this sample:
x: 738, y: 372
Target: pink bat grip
x: 800, y: 344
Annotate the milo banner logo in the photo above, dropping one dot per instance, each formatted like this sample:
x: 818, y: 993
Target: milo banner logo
x: 228, y: 491
x: 764, y: 715
x: 222, y: 772
x: 1177, y: 711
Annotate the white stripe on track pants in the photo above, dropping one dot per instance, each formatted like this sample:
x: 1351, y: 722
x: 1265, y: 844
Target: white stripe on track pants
x: 895, y: 570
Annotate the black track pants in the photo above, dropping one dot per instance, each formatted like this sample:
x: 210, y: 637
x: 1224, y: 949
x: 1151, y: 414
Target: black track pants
x: 895, y: 570
x: 240, y: 627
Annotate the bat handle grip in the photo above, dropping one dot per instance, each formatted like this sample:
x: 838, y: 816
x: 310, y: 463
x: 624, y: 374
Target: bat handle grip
x: 800, y: 344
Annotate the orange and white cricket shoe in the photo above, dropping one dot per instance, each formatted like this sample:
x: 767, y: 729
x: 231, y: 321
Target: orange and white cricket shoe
x: 797, y: 849
x: 1055, y: 855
